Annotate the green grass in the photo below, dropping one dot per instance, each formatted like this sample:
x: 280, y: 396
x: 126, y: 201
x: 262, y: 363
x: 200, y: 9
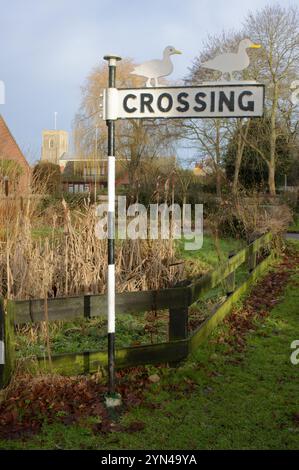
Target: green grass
x: 41, y: 232
x: 295, y: 225
x: 240, y: 400
x: 83, y: 335
x: 208, y: 258
x: 46, y: 231
x: 208, y: 255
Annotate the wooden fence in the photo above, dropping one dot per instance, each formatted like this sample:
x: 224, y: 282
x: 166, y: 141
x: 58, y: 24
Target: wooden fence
x: 177, y: 300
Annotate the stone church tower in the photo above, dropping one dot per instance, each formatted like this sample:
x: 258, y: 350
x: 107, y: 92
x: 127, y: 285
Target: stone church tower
x: 54, y: 145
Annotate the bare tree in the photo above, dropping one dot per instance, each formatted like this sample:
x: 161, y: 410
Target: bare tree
x: 239, y: 131
x: 276, y: 64
x: 210, y: 137
x: 277, y: 30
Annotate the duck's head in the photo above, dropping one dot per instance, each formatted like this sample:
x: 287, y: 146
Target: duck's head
x: 247, y: 43
x: 170, y: 50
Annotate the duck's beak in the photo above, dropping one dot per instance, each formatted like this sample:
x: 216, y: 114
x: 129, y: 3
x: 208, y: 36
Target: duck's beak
x: 177, y: 52
x: 255, y: 46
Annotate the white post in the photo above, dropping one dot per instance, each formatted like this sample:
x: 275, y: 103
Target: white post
x: 111, y: 260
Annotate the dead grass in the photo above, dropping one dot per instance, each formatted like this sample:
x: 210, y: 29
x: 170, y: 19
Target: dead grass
x: 248, y: 216
x: 70, y: 259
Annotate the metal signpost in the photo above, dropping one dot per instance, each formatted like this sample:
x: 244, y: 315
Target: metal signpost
x: 230, y: 99
x: 112, y: 398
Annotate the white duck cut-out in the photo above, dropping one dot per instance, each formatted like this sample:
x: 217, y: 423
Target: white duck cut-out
x: 232, y: 62
x: 155, y: 69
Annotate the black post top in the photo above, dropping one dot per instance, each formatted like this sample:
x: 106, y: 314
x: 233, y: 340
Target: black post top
x: 111, y: 56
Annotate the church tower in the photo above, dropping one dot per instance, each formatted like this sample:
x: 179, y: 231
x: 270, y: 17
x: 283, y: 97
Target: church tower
x: 55, y: 144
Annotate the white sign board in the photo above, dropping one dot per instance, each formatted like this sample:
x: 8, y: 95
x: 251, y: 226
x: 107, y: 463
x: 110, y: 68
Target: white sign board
x: 203, y: 101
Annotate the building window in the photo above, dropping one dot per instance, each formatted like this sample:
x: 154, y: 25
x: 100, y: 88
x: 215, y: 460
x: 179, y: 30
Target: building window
x: 89, y: 171
x: 78, y: 188
x: 51, y: 143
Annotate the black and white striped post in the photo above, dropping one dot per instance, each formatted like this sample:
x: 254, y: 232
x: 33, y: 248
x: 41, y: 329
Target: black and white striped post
x: 112, y: 399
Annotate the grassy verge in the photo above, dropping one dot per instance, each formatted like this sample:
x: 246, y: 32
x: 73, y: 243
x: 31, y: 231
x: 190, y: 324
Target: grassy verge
x: 222, y: 398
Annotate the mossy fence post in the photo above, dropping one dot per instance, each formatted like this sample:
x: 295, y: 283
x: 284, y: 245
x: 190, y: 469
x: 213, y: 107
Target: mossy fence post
x: 251, y: 259
x: 231, y: 278
x: 7, y: 342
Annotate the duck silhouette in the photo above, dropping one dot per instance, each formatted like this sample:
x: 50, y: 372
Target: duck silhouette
x: 231, y: 62
x: 154, y: 69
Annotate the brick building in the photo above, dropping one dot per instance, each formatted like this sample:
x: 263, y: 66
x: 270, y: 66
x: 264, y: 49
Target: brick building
x: 79, y: 174
x: 13, y: 164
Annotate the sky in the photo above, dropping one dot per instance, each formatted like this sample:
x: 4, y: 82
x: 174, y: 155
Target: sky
x: 48, y: 48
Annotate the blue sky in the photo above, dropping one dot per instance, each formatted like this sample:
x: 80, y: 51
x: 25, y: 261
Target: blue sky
x: 48, y: 47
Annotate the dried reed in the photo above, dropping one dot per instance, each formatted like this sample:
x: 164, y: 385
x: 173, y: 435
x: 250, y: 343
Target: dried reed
x: 71, y: 260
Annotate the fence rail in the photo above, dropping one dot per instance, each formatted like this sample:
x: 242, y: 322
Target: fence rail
x: 177, y: 300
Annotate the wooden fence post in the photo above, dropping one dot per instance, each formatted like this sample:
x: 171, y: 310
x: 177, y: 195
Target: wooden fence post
x: 178, y: 323
x: 178, y: 327
x: 251, y: 259
x: 178, y: 316
x: 231, y: 278
x: 7, y: 344
x: 2, y: 343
